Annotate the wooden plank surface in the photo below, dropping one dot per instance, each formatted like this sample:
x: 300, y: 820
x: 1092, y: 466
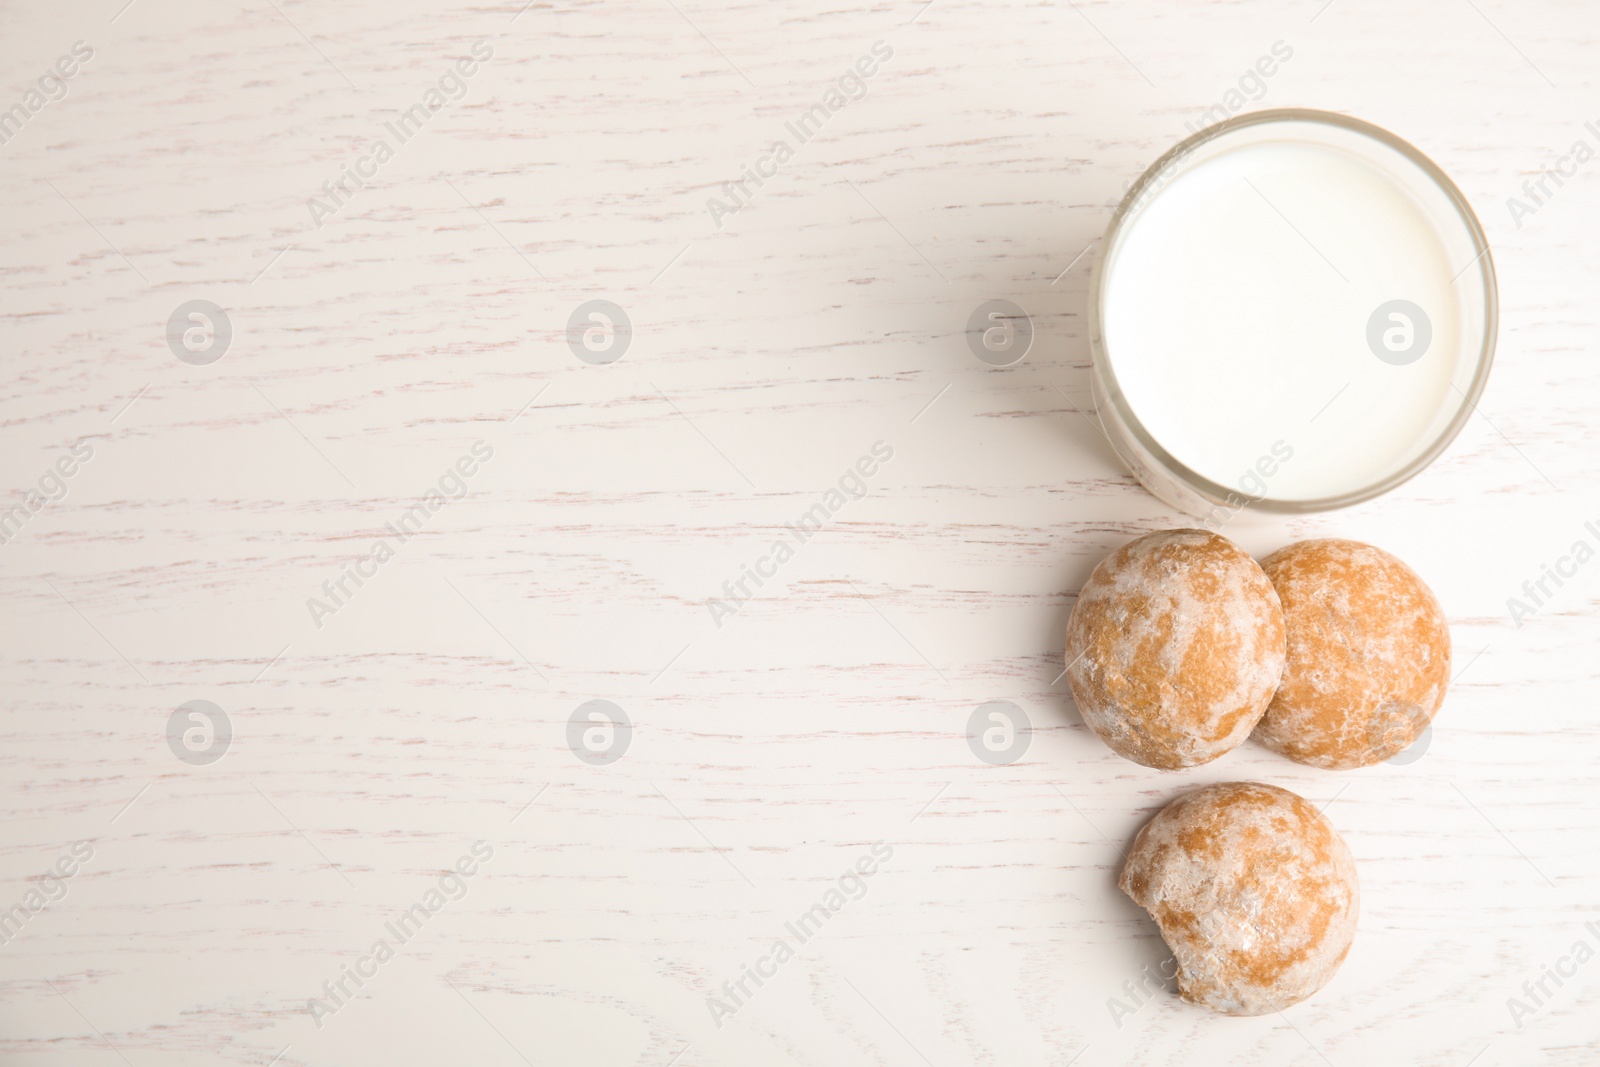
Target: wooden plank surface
x: 375, y: 340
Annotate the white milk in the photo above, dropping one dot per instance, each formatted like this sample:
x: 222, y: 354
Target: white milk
x: 1236, y: 312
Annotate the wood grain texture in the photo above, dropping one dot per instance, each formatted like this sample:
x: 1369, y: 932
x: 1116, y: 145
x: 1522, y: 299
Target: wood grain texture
x: 768, y: 754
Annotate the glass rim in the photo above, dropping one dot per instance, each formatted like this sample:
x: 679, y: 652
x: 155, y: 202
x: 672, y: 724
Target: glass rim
x: 1147, y: 184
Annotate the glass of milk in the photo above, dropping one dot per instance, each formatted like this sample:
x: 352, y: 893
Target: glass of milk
x: 1293, y: 311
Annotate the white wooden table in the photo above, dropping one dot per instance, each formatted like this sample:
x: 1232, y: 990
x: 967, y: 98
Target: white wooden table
x: 374, y: 340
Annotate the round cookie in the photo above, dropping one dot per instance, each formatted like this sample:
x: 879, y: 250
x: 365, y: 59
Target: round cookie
x: 1254, y: 891
x: 1369, y: 655
x: 1175, y: 647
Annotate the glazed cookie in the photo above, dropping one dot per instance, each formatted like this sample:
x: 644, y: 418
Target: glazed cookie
x: 1175, y: 647
x: 1369, y: 655
x: 1254, y: 891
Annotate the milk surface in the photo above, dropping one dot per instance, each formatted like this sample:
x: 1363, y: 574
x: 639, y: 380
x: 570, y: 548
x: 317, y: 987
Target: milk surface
x: 1236, y: 316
